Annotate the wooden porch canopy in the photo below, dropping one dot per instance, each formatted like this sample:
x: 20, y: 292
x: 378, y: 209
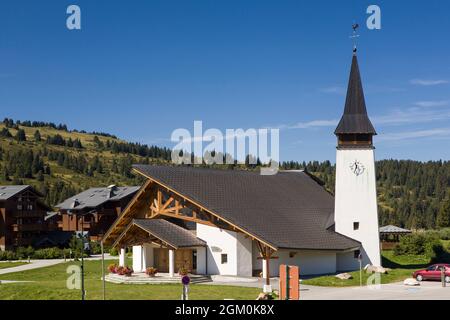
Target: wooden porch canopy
x: 160, y: 232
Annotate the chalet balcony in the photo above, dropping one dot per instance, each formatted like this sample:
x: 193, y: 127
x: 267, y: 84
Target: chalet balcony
x: 28, y: 227
x: 27, y: 214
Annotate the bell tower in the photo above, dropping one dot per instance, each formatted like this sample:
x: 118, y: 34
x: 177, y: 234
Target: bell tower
x: 356, y: 210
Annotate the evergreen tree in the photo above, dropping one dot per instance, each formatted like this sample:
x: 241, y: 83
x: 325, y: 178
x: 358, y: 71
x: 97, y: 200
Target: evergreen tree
x: 37, y: 136
x: 20, y: 135
x: 443, y: 217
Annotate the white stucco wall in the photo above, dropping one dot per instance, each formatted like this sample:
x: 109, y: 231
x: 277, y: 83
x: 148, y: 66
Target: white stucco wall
x: 142, y: 257
x: 356, y: 201
x: 346, y: 261
x: 201, y: 260
x: 237, y: 248
x: 310, y: 262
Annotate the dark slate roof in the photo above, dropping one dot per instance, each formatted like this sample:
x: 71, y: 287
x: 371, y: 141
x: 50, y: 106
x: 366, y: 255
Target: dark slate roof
x: 355, y: 119
x: 7, y: 192
x: 170, y: 233
x: 393, y: 229
x: 55, y: 238
x: 288, y: 210
x: 95, y: 197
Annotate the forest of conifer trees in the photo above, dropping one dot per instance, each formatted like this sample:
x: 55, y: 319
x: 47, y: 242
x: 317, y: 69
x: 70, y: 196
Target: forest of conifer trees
x: 411, y: 194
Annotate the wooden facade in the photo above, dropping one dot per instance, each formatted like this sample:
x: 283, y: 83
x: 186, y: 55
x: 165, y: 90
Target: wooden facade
x: 96, y: 220
x: 22, y: 220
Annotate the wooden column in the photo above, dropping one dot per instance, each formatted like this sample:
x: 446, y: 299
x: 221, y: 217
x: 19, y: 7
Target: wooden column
x: 266, y: 255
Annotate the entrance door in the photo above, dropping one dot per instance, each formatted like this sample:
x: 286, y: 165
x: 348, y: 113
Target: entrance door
x: 161, y: 257
x: 184, y: 258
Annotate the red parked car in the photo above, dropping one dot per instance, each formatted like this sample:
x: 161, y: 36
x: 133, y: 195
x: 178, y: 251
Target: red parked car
x: 433, y: 272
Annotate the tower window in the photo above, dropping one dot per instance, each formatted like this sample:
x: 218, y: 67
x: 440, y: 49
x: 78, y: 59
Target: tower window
x: 355, y: 225
x: 224, y: 258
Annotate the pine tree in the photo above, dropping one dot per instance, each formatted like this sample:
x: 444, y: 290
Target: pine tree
x: 37, y: 136
x: 443, y: 217
x: 20, y: 135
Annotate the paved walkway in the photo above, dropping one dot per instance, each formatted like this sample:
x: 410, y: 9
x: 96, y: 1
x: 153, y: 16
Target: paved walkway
x: 428, y: 290
x: 35, y: 264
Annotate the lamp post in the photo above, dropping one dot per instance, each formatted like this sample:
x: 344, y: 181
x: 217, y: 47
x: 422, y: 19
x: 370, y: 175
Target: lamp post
x: 83, y: 293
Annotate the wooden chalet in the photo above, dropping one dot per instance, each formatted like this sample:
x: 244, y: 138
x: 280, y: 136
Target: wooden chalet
x: 22, y: 217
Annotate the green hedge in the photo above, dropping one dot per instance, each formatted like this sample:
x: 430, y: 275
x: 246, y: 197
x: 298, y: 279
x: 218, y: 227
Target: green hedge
x: 25, y: 253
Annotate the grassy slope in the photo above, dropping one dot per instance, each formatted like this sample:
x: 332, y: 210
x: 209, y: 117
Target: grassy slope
x: 59, y: 173
x: 402, y: 268
x: 5, y: 265
x: 50, y: 284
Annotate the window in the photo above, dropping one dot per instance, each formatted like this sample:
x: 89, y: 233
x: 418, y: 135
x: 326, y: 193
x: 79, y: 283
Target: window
x: 357, y: 254
x: 355, y: 225
x: 224, y: 258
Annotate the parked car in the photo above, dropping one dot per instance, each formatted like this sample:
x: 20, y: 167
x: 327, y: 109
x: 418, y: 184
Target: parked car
x: 433, y: 272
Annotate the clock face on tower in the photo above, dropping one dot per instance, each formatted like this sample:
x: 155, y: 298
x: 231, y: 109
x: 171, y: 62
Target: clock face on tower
x: 357, y: 168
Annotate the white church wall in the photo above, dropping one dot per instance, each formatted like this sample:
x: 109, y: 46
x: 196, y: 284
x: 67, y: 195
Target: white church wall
x: 142, y: 257
x: 219, y: 242
x: 310, y: 262
x: 201, y: 260
x: 355, y: 201
x: 137, y: 258
x: 346, y: 262
x: 244, y: 255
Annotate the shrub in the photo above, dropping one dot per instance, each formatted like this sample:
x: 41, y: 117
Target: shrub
x: 444, y: 234
x: 95, y: 247
x: 427, y: 244
x: 124, y: 271
x: 49, y: 253
x: 24, y: 253
x: 183, y: 271
x: 113, y: 252
x: 8, y: 255
x: 151, y: 272
x: 112, y: 268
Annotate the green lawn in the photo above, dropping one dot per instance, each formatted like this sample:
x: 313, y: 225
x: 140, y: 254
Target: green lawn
x: 50, y: 283
x: 4, y: 265
x: 402, y: 268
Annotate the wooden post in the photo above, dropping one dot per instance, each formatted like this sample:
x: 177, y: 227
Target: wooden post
x: 266, y: 255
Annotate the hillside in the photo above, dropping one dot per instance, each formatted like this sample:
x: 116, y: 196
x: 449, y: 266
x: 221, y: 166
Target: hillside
x: 60, y: 168
x: 61, y: 163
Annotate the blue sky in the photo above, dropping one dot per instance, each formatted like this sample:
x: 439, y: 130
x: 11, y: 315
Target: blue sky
x: 140, y: 69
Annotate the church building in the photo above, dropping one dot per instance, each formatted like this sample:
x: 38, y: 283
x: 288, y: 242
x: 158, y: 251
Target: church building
x: 241, y: 223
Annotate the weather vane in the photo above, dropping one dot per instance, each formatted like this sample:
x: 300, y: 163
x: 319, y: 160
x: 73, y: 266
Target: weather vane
x: 354, y: 36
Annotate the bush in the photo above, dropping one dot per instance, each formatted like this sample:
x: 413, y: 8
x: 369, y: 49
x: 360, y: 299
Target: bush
x: 427, y: 244
x: 151, y: 272
x: 95, y: 247
x: 8, y: 255
x: 183, y: 271
x: 112, y: 268
x: 444, y: 234
x: 24, y: 253
x: 113, y: 252
x: 49, y: 253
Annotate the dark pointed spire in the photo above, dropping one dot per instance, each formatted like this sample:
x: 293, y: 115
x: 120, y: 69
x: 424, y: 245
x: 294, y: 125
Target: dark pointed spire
x: 355, y: 119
